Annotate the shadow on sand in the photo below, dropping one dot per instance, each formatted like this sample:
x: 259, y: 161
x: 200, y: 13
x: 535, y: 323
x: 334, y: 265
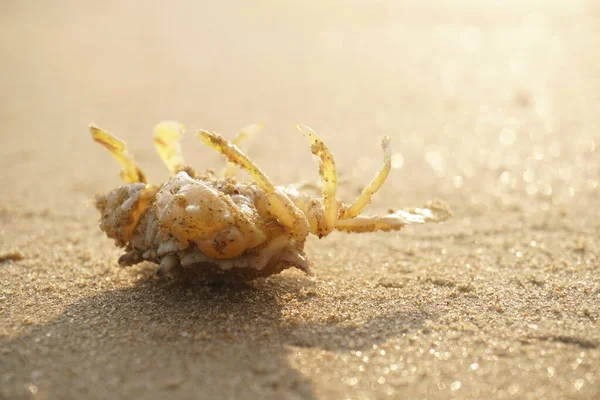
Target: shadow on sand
x: 159, y: 339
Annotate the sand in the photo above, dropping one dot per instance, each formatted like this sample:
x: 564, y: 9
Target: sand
x: 492, y: 107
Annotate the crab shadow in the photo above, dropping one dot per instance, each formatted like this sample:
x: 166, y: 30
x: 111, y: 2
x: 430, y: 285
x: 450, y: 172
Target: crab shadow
x: 175, y: 338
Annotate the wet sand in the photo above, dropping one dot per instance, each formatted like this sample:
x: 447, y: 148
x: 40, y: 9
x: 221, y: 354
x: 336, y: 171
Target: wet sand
x: 493, y: 108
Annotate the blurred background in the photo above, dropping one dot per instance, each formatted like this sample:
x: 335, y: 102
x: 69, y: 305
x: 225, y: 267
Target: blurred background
x: 490, y: 102
x: 492, y: 106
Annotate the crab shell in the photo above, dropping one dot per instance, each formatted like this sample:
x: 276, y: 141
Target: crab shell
x: 216, y: 229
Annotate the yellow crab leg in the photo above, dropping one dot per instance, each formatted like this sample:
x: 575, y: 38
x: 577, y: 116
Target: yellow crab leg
x: 130, y: 172
x: 280, y: 204
x: 167, y: 135
x: 435, y: 211
x: 364, y: 199
x: 245, y: 134
x: 328, y: 178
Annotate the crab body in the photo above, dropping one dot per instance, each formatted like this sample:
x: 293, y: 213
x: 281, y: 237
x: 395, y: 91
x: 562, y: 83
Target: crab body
x: 220, y: 226
x: 224, y: 229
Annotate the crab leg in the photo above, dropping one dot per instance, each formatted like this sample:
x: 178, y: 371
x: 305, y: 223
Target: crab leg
x: 167, y: 135
x: 436, y: 211
x: 245, y: 135
x: 166, y: 264
x: 130, y: 172
x: 349, y: 212
x: 328, y: 178
x: 280, y: 204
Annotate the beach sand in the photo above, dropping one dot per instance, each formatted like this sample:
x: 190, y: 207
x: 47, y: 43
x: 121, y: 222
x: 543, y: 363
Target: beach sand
x: 494, y: 108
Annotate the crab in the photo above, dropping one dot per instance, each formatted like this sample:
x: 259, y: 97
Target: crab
x: 225, y: 229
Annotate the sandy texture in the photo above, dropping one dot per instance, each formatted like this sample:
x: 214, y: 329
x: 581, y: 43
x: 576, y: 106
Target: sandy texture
x: 494, y: 108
